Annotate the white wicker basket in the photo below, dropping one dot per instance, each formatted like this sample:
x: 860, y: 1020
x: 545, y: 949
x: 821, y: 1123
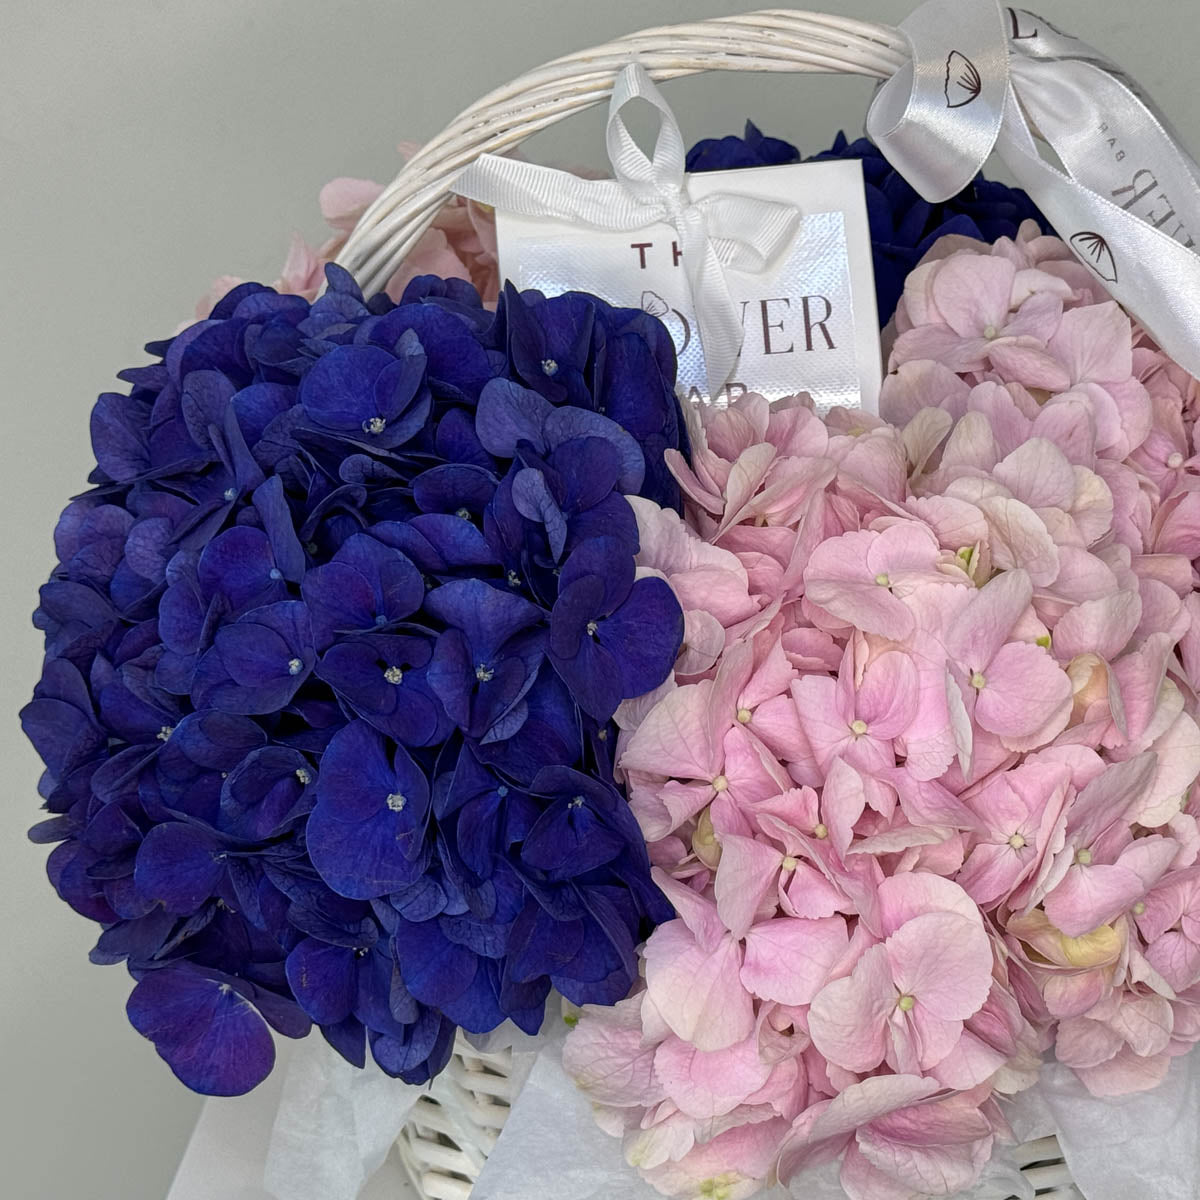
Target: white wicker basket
x: 443, y: 1148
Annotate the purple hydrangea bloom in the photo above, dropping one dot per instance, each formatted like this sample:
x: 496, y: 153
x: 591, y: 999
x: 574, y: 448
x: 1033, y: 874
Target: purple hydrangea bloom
x: 320, y: 693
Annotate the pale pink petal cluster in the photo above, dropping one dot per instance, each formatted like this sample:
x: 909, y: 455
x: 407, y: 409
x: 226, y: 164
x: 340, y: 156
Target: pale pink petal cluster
x: 922, y: 791
x: 460, y: 243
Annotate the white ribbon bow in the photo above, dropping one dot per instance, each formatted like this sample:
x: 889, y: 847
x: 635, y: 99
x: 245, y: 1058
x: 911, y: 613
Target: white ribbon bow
x: 721, y: 230
x: 984, y: 77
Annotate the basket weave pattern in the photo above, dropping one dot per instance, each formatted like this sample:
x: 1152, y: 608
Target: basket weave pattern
x: 444, y: 1146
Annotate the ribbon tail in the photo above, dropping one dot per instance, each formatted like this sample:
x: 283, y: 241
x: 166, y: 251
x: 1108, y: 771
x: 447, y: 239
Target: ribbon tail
x: 1153, y: 276
x: 720, y: 327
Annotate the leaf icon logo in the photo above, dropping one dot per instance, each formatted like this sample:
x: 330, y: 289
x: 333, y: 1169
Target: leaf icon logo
x: 1094, y: 251
x: 654, y: 304
x: 963, y: 82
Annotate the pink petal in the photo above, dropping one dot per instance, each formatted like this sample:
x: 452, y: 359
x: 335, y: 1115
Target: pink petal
x: 1038, y: 474
x: 1124, y: 1074
x: 697, y: 992
x: 809, y: 894
x: 1024, y: 690
x: 944, y: 961
x: 991, y: 872
x: 697, y: 911
x: 970, y: 1062
x: 826, y: 729
x: 605, y: 1056
x: 746, y: 873
x: 973, y: 293
x: 790, y: 960
x: 1094, y: 343
x: 905, y: 897
x: 931, y: 1155
x: 1023, y: 360
x: 1091, y: 896
x: 843, y: 800
x: 1080, y: 1042
x: 848, y: 1017
x: 344, y: 200
x: 1145, y: 1022
x: 1019, y: 539
x: 976, y: 635
x: 861, y: 1181
x: 707, y: 1085
x: 837, y: 579
x: 677, y: 737
x: 1102, y: 627
x: 932, y: 1038
x: 887, y: 696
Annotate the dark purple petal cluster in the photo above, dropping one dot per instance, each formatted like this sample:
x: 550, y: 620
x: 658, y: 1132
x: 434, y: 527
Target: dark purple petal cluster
x: 903, y: 225
x: 333, y: 647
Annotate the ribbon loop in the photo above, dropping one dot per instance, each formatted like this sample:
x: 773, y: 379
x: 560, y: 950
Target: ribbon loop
x: 722, y: 230
x: 984, y: 78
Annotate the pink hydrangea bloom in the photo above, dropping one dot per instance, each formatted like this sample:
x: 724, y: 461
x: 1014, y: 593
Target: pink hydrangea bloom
x: 460, y: 243
x: 923, y: 789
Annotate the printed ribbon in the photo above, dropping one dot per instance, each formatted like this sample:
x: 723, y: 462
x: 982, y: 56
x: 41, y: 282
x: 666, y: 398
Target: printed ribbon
x: 985, y: 78
x: 721, y: 230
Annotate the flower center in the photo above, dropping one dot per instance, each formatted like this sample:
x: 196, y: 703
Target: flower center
x: 396, y: 801
x: 1043, y: 641
x: 549, y: 366
x: 1175, y: 461
x: 1083, y: 857
x: 820, y: 831
x: 882, y: 579
x: 575, y: 802
x: 720, y: 783
x: 858, y: 727
x: 592, y: 626
x: 230, y: 493
x: 374, y: 425
x: 165, y: 732
x: 304, y: 777
x: 790, y: 863
x: 484, y: 673
x: 977, y: 680
x: 744, y: 715
x: 463, y: 514
x: 514, y: 580
x: 1139, y: 908
x: 990, y: 332
x: 380, y: 620
x: 275, y: 573
x: 906, y: 1003
x: 1017, y: 842
x: 394, y: 675
x: 295, y: 666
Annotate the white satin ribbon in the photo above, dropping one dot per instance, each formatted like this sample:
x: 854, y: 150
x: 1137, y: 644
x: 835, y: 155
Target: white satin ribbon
x: 983, y: 77
x: 724, y: 229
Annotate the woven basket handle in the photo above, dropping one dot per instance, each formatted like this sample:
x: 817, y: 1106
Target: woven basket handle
x: 773, y: 40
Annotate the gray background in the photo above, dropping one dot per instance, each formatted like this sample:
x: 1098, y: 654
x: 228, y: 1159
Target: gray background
x: 146, y: 147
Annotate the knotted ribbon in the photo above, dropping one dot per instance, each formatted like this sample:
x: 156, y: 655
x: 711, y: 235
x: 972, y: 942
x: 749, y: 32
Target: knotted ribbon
x: 724, y: 229
x: 984, y: 78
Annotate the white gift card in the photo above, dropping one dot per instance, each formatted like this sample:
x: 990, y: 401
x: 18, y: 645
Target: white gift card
x: 809, y: 319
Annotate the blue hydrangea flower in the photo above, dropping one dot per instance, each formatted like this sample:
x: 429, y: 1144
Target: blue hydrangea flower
x: 320, y: 694
x: 903, y: 226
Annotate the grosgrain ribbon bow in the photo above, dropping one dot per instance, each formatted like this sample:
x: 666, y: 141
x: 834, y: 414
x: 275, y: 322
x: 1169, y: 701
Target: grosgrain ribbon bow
x: 984, y: 78
x: 721, y: 230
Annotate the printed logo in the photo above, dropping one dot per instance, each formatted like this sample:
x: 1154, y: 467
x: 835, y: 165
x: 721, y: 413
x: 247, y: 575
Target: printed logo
x: 1094, y: 251
x: 963, y: 82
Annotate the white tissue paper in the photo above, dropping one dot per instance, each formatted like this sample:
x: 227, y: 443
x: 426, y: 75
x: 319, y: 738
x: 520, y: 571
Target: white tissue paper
x: 1147, y: 1144
x: 335, y: 1125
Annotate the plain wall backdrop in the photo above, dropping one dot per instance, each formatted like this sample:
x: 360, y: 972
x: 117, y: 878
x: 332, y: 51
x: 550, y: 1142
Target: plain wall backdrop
x: 148, y: 146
